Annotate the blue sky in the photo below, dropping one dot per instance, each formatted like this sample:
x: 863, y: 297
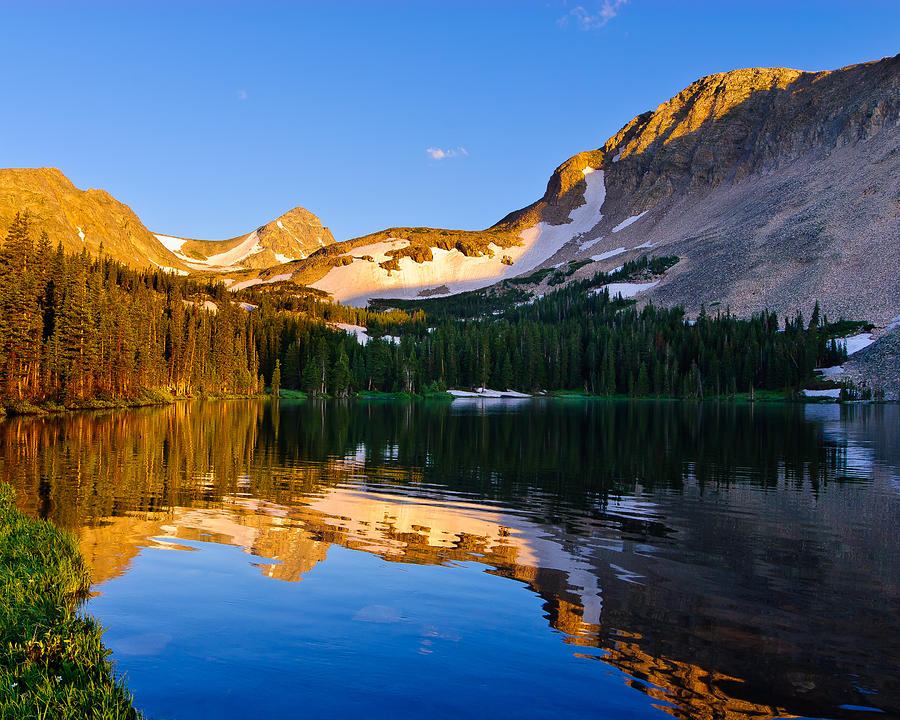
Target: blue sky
x: 211, y: 118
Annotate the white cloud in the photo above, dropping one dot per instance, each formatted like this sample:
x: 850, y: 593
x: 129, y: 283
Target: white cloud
x: 590, y: 20
x: 440, y: 154
x: 241, y: 94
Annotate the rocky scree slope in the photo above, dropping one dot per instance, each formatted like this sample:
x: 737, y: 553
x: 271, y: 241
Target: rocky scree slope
x: 877, y: 366
x: 776, y: 188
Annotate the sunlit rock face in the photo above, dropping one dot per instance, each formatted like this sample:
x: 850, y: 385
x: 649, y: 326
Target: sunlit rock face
x: 80, y: 219
x: 93, y: 220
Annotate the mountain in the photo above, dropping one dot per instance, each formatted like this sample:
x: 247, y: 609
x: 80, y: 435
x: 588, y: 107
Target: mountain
x: 91, y: 218
x: 775, y: 187
x: 80, y: 218
x: 293, y: 236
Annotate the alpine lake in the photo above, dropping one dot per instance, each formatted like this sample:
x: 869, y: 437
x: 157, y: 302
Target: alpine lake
x: 536, y: 558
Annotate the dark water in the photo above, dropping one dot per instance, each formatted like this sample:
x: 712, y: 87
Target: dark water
x: 537, y: 559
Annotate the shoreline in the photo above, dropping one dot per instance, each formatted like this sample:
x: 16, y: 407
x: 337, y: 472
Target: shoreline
x: 152, y: 398
x: 761, y: 397
x: 53, y: 662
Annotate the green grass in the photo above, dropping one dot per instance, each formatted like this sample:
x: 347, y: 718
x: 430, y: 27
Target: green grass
x: 292, y: 394
x: 53, y: 665
x: 379, y: 395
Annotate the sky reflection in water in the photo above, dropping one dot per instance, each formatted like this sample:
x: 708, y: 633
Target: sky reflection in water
x: 718, y: 562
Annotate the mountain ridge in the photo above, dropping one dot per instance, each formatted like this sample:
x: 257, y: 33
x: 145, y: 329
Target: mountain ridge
x: 80, y: 219
x: 292, y: 235
x: 746, y: 175
x: 775, y: 187
x: 93, y: 219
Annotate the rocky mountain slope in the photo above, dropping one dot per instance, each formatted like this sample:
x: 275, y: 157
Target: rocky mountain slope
x: 877, y: 366
x: 776, y: 187
x: 80, y: 218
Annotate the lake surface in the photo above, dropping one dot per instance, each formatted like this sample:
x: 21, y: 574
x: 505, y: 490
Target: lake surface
x: 528, y: 559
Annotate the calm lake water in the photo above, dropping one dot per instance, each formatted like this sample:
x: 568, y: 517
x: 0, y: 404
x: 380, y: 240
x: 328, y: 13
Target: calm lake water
x: 534, y: 559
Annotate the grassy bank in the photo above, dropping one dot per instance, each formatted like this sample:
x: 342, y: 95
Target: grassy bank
x: 147, y: 398
x: 53, y: 664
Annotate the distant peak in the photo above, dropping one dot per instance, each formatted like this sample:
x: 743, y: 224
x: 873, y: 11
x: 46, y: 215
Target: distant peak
x: 301, y: 215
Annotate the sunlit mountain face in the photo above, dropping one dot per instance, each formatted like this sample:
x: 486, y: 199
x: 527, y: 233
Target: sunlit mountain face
x: 719, y: 561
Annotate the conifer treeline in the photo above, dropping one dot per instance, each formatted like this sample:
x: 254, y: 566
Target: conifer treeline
x: 572, y: 340
x: 75, y: 328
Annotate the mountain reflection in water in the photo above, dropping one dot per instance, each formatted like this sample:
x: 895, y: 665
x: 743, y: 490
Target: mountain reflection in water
x: 731, y: 561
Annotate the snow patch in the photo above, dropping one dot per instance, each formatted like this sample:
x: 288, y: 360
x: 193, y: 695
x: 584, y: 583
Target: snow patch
x: 832, y: 371
x: 284, y: 258
x: 617, y: 157
x: 362, y: 334
x: 607, y: 254
x: 81, y: 234
x: 625, y: 223
x: 647, y: 244
x: 355, y: 283
x: 207, y: 305
x: 244, y: 249
x: 834, y: 393
x: 588, y: 170
x: 855, y: 343
x: 259, y: 281
x: 280, y: 225
x: 590, y: 243
x: 174, y: 271
x: 625, y: 289
x: 173, y: 244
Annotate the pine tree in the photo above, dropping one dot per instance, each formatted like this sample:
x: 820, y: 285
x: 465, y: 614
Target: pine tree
x: 276, y: 379
x: 339, y: 375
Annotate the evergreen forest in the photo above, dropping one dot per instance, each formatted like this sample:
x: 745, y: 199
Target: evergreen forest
x: 77, y: 331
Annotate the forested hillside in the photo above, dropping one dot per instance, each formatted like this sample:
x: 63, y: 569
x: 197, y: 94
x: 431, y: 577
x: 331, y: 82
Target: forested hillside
x: 572, y: 340
x: 78, y: 331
